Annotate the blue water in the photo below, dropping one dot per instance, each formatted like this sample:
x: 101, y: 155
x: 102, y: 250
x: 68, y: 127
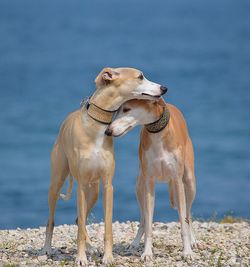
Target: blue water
x: 50, y: 53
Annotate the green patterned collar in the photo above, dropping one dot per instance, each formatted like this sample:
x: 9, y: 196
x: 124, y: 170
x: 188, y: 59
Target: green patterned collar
x: 160, y: 124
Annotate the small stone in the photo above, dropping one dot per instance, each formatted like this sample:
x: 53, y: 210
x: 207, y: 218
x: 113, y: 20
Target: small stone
x: 20, y: 247
x: 178, y: 258
x: 35, y: 261
x: 226, y: 241
x: 42, y: 258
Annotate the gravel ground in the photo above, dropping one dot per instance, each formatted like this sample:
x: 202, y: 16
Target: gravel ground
x: 226, y: 244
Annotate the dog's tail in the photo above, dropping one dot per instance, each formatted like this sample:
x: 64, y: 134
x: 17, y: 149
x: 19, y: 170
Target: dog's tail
x: 171, y: 194
x: 69, y: 189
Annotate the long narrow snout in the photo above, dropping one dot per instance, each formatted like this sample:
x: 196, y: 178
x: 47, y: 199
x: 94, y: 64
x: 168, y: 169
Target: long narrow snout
x: 161, y: 92
x: 117, y: 129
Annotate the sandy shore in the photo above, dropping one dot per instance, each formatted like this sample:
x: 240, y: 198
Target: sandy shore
x: 226, y: 244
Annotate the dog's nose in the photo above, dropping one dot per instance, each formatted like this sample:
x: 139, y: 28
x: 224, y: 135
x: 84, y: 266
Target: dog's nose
x: 163, y: 89
x: 108, y: 132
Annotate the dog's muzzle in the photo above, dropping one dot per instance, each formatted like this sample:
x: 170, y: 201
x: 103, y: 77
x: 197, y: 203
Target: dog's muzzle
x: 108, y: 132
x: 163, y: 90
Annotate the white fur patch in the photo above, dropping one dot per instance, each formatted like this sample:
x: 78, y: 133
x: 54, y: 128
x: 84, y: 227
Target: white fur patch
x: 161, y: 164
x: 148, y: 87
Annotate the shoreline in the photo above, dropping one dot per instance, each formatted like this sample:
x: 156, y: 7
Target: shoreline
x: 222, y: 244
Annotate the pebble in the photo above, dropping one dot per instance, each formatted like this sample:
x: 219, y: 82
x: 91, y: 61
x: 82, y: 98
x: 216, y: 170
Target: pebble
x: 223, y: 244
x: 42, y: 258
x: 35, y: 261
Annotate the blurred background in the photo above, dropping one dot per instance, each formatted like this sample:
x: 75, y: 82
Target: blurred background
x: 50, y: 53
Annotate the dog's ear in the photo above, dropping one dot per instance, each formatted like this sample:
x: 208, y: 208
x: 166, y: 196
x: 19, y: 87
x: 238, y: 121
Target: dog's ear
x: 109, y: 75
x: 106, y: 76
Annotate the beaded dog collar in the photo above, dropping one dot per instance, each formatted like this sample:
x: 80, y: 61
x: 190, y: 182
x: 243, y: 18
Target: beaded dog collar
x: 98, y: 114
x: 160, y: 124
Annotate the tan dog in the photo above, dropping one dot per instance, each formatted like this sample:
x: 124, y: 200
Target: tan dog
x: 83, y: 151
x: 166, y: 154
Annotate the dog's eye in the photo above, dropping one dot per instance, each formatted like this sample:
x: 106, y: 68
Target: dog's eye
x: 140, y: 76
x: 126, y: 110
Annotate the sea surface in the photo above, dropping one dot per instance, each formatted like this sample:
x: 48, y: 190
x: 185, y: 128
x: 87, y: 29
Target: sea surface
x: 50, y: 53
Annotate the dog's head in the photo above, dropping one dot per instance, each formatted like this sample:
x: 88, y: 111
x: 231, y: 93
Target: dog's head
x: 132, y: 113
x: 125, y: 84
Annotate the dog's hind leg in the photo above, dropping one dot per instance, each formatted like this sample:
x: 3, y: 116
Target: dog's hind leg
x: 171, y: 194
x: 92, y: 193
x: 189, y: 185
x: 69, y: 189
x: 140, y: 200
x: 190, y: 188
x: 181, y: 206
x: 59, y: 172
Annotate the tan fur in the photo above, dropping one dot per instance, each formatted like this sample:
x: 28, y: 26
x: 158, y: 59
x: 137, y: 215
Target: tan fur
x: 85, y: 152
x: 166, y: 156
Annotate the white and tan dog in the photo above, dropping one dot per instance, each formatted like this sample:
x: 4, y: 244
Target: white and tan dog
x: 166, y: 155
x: 83, y: 151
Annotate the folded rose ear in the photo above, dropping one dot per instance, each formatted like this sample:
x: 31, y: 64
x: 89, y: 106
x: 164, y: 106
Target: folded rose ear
x: 109, y: 74
x: 106, y: 76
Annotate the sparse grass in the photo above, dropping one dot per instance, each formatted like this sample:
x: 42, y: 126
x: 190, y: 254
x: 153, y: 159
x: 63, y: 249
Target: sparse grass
x: 10, y: 265
x: 214, y: 250
x: 64, y: 263
x: 228, y: 218
x: 8, y: 245
x: 212, y: 259
x: 160, y: 244
x: 96, y: 259
x: 231, y: 219
x: 219, y: 264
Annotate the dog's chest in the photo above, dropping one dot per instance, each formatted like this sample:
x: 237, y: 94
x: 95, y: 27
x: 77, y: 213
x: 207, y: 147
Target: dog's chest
x: 161, y: 163
x: 97, y: 157
x: 93, y: 157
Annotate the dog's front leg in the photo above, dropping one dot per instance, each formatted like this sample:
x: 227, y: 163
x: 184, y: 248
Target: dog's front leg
x: 81, y: 234
x: 108, y: 212
x: 149, y: 199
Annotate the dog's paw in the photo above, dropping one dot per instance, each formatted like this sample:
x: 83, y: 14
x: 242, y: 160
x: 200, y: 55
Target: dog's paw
x: 194, y: 244
x: 107, y: 259
x: 188, y: 255
x: 147, y: 257
x: 193, y: 241
x: 65, y: 197
x: 198, y: 245
x: 81, y: 261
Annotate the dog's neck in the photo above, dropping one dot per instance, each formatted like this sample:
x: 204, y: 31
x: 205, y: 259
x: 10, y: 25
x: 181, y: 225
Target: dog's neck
x: 162, y: 117
x: 92, y: 127
x: 103, y: 105
x: 100, y: 108
x: 98, y: 114
x: 108, y: 99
